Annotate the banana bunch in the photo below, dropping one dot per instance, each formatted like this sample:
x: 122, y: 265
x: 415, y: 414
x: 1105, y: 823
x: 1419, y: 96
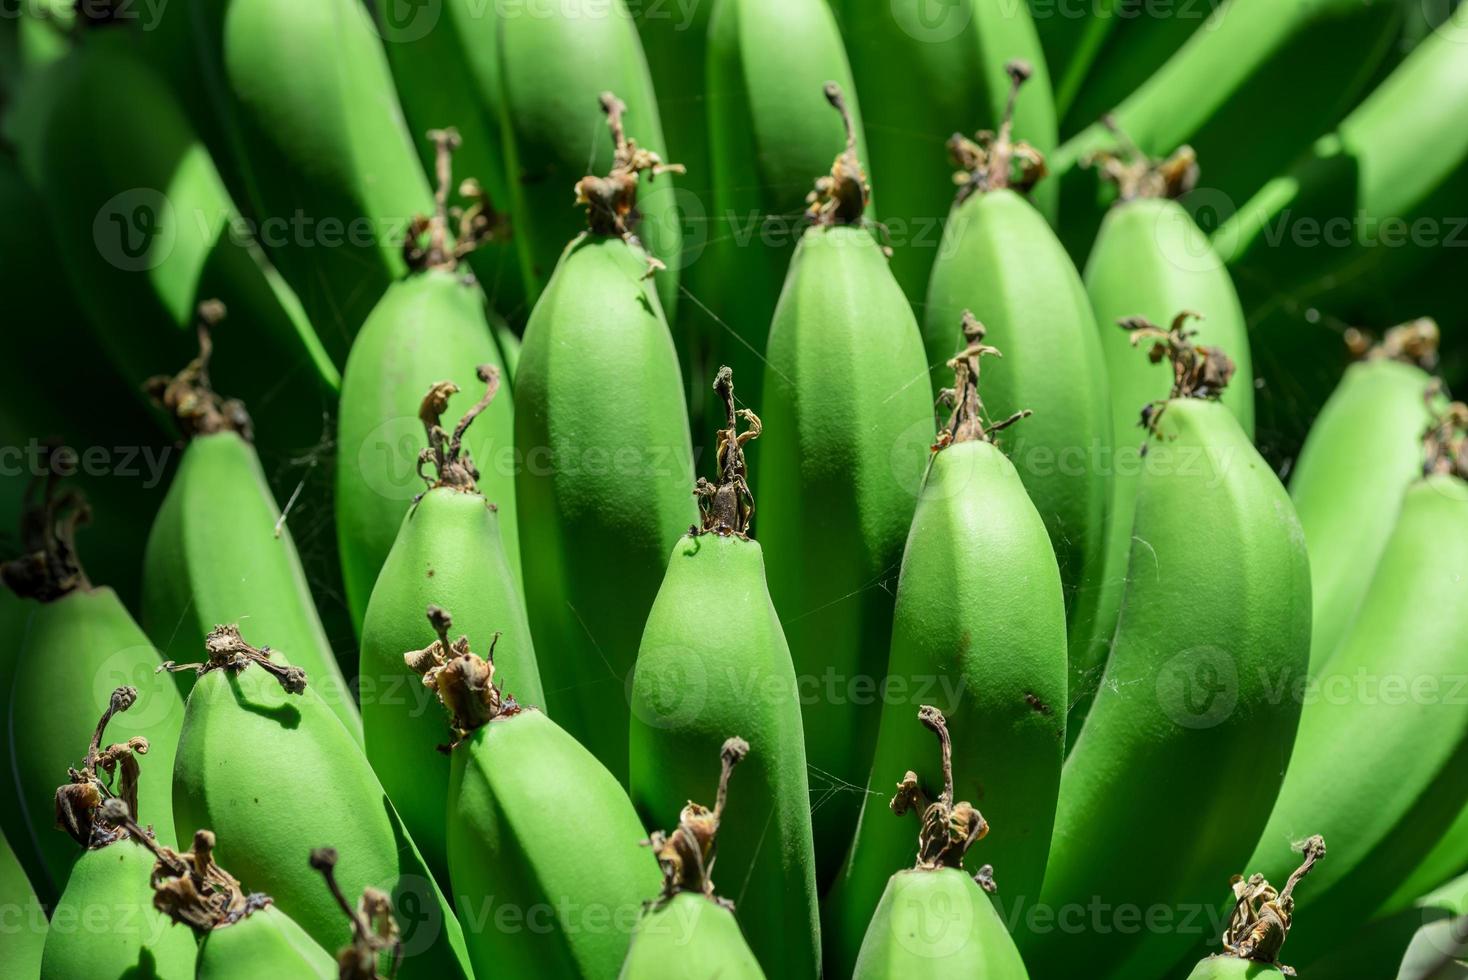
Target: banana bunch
x: 382, y: 574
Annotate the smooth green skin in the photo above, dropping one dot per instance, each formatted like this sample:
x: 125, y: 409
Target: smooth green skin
x: 1380, y: 163
x: 979, y: 632
x: 445, y: 61
x: 117, y: 155
x: 23, y: 922
x: 1224, y: 967
x: 923, y: 78
x: 604, y: 482
x: 1390, y: 796
x: 105, y: 926
x: 1363, y: 452
x: 714, y: 663
x: 430, y: 327
x: 15, y: 614
x: 1001, y: 261
x: 691, y: 938
x: 555, y: 63
x: 77, y: 651
x: 675, y: 40
x: 771, y: 135
x: 535, y: 902
x: 448, y: 553
x: 1072, y: 44
x: 937, y: 923
x: 1376, y: 949
x: 1135, y: 48
x: 213, y: 557
x: 275, y: 775
x: 847, y: 426
x: 1217, y: 603
x: 1151, y: 260
x: 267, y: 943
x: 1249, y: 91
x: 322, y: 136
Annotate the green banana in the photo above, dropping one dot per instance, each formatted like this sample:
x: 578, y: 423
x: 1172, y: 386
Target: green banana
x: 1393, y: 794
x: 265, y: 764
x: 432, y: 325
x: 1141, y: 42
x: 1072, y: 42
x: 447, y: 551
x: 689, y: 931
x: 219, y: 549
x: 1149, y: 261
x: 1195, y: 707
x: 935, y: 919
x: 770, y: 134
x: 1249, y: 91
x: 516, y: 776
x: 1447, y: 860
x: 713, y: 657
x: 146, y: 231
x: 602, y: 489
x: 1259, y: 924
x: 849, y: 424
x: 105, y: 925
x: 922, y: 76
x: 1001, y: 261
x: 1378, y: 412
x: 81, y: 642
x: 554, y: 63
x: 445, y: 61
x: 24, y: 917
x: 316, y: 133
x: 15, y: 614
x: 675, y: 40
x: 980, y: 611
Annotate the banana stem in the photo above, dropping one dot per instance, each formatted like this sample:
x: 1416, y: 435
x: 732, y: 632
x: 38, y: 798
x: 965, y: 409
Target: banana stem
x: 49, y: 568
x: 1414, y: 343
x: 81, y: 801
x: 1446, y: 443
x: 451, y: 460
x: 968, y: 421
x: 1198, y: 371
x: 988, y: 161
x: 427, y: 244
x: 948, y: 829
x: 686, y: 856
x: 728, y: 508
x: 463, y: 681
x: 840, y: 197
x: 1136, y: 175
x: 189, y: 398
x: 374, y: 930
x: 228, y: 650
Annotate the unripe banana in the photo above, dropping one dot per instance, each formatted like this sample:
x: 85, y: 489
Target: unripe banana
x: 1448, y: 857
x: 105, y: 925
x: 1212, y: 638
x: 1144, y: 37
x: 152, y: 234
x: 316, y: 132
x: 602, y: 490
x: 264, y: 763
x: 675, y: 39
x: 429, y: 327
x: 770, y: 134
x: 922, y: 77
x: 15, y: 614
x: 1249, y: 91
x: 447, y: 551
x: 517, y: 778
x: 1259, y: 923
x: 1393, y: 794
x: 25, y: 919
x: 688, y: 931
x: 554, y: 63
x: 848, y: 425
x: 1001, y: 261
x: 81, y: 644
x: 980, y: 612
x: 1363, y: 451
x: 220, y: 550
x: 934, y: 919
x: 1150, y: 261
x: 714, y: 659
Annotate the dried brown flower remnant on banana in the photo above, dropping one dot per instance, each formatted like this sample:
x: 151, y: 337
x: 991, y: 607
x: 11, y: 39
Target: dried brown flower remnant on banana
x: 227, y: 650
x: 1261, y: 917
x: 427, y: 245
x: 462, y: 680
x: 727, y: 507
x: 189, y: 398
x: 1198, y: 371
x: 611, y: 201
x: 948, y: 829
x: 969, y: 420
x: 840, y: 197
x: 452, y: 464
x: 990, y: 161
x: 1415, y: 342
x: 1137, y: 176
x: 686, y: 856
x: 374, y: 929
x: 48, y: 567
x: 105, y: 774
x: 1446, y: 442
